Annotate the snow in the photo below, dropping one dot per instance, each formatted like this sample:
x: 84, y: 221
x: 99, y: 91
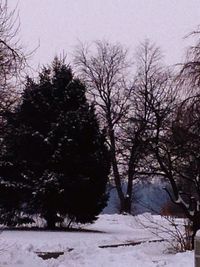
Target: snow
x: 82, y: 248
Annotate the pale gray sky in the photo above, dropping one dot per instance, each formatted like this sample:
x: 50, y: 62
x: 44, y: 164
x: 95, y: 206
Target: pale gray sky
x: 58, y: 24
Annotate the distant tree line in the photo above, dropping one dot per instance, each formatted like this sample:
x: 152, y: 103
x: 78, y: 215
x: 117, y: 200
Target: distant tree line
x: 62, y: 135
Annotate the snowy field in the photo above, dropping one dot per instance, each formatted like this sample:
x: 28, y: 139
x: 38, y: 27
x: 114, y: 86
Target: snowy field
x: 20, y: 248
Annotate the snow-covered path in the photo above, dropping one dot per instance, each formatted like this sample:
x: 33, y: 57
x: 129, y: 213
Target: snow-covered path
x: 18, y: 248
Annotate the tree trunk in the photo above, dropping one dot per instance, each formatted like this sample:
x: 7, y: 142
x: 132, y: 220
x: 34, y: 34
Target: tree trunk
x: 116, y: 174
x: 131, y: 172
x: 195, y: 226
x: 51, y: 223
x: 127, y: 204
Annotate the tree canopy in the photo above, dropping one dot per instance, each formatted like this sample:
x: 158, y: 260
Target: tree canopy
x: 55, y: 146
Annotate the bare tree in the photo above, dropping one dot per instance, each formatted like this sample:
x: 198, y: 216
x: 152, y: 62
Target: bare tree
x: 174, y: 146
x: 105, y: 71
x: 173, y: 133
x: 149, y: 80
x: 188, y: 76
x: 176, y: 143
x: 126, y: 111
x: 177, y: 154
x: 12, y: 60
x: 152, y: 102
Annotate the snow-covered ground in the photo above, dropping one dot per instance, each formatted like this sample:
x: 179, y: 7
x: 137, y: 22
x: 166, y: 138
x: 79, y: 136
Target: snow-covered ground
x: 18, y: 248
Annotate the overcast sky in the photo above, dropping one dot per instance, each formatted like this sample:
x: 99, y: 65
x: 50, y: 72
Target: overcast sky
x: 58, y: 24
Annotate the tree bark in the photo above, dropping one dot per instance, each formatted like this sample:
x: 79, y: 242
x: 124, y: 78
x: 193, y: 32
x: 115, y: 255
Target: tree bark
x: 195, y: 226
x: 51, y: 223
x: 116, y: 174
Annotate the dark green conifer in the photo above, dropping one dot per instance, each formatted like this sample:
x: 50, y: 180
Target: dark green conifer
x: 60, y: 154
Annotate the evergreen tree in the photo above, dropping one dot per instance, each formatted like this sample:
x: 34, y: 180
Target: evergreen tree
x: 58, y: 152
